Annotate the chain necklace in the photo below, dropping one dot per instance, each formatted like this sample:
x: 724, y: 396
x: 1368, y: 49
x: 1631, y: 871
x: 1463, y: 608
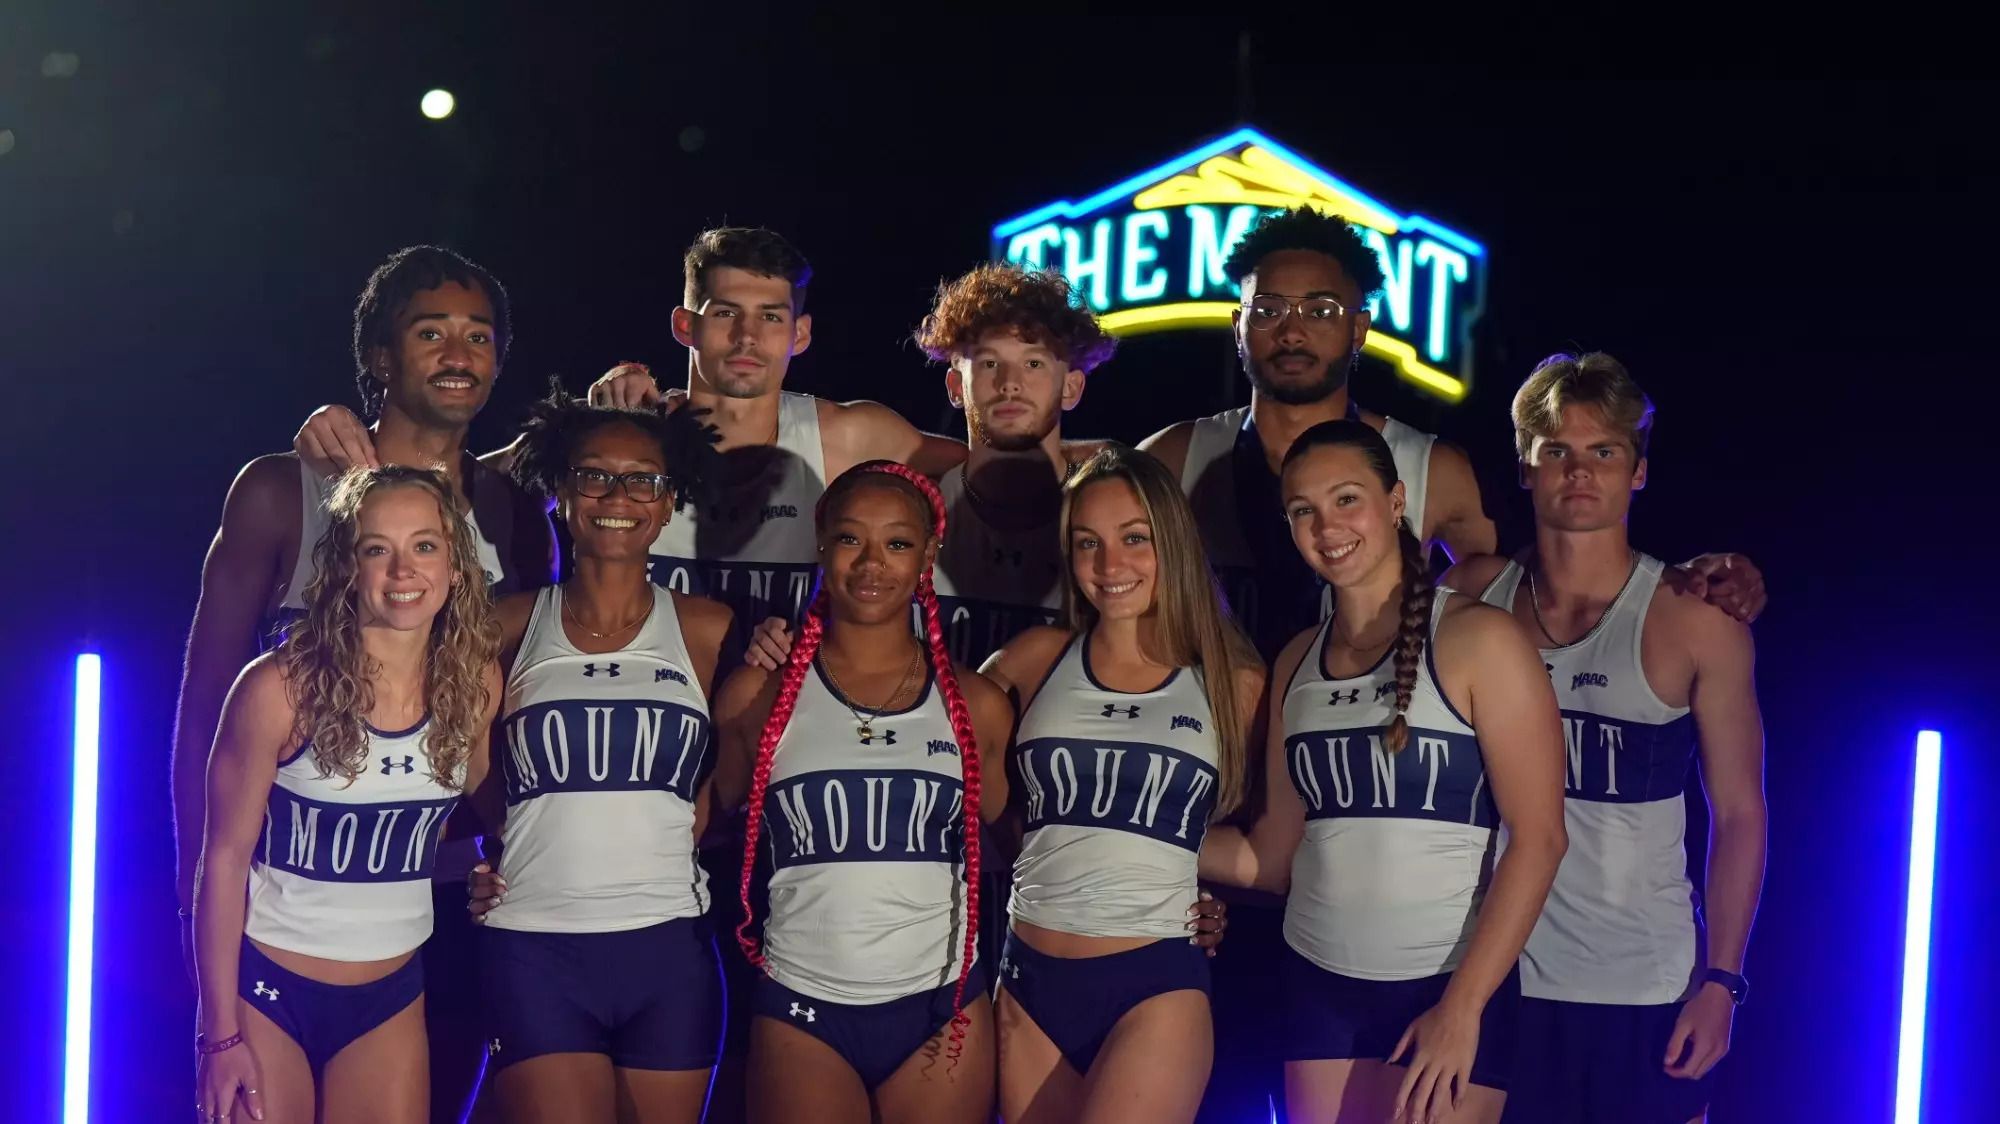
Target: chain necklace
x: 619, y: 631
x: 1535, y: 603
x: 865, y: 725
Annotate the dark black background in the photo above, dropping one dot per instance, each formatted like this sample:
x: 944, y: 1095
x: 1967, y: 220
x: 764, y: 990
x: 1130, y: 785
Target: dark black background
x: 1801, y: 273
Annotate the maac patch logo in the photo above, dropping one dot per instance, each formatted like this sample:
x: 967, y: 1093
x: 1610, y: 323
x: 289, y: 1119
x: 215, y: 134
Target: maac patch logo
x: 669, y: 675
x: 939, y: 745
x: 1183, y: 722
x: 1588, y: 679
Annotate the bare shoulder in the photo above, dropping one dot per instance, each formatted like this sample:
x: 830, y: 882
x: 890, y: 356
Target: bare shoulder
x: 1170, y: 445
x: 1040, y: 644
x: 979, y: 691
x: 1449, y: 462
x: 1474, y: 574
x: 858, y: 418
x: 1292, y: 655
x: 1692, y: 621
x: 264, y: 688
x: 269, y: 484
x: 1464, y: 620
x: 702, y: 614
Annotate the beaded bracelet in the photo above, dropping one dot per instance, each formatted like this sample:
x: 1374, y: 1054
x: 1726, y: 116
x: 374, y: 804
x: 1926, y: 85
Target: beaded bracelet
x: 204, y: 1047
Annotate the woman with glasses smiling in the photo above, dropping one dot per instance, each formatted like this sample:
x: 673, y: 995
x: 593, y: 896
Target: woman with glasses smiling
x: 601, y: 974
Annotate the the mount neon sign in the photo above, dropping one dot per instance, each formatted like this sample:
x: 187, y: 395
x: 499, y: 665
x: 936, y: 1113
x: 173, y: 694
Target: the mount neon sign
x: 1147, y: 254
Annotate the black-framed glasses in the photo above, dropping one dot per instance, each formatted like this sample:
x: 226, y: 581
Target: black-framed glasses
x: 595, y: 483
x: 1268, y: 310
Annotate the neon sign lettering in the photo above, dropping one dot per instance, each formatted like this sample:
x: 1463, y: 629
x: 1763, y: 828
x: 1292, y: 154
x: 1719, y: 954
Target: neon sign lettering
x: 1147, y: 254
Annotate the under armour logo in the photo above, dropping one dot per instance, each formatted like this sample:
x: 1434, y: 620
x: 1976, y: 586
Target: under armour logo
x: 1384, y: 690
x: 940, y: 746
x: 1589, y: 679
x: 1010, y: 969
x: 886, y: 737
x: 665, y: 675
x: 263, y: 992
x: 493, y: 1048
x: 590, y: 670
x: 1019, y: 558
x: 1351, y: 695
x: 806, y: 1013
x: 389, y: 764
x: 1183, y: 722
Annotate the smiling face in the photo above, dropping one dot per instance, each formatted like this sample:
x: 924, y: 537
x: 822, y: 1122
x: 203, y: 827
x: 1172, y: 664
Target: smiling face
x: 402, y: 560
x: 441, y: 362
x: 615, y: 526
x: 1111, y: 552
x: 1343, y: 520
x: 874, y: 544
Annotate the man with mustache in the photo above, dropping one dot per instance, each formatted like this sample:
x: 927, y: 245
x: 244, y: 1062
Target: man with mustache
x: 430, y: 332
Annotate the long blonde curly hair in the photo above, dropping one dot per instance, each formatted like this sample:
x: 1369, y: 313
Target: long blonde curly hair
x: 330, y: 675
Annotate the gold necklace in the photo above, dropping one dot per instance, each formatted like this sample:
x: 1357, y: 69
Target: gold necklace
x: 865, y: 726
x: 619, y: 631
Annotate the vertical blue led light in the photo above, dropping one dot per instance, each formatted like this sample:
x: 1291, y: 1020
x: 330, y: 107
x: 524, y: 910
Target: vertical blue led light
x: 1917, y: 929
x: 82, y: 889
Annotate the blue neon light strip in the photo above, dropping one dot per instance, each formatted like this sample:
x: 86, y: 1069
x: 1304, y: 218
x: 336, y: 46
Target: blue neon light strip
x: 1917, y: 929
x: 1068, y: 210
x: 82, y: 889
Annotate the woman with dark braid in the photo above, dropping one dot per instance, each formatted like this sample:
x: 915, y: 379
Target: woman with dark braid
x: 863, y: 765
x: 1413, y: 726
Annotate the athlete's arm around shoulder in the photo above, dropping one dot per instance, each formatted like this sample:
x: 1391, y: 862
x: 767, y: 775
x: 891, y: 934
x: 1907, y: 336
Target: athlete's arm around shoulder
x: 481, y: 779
x: 1021, y: 664
x: 738, y: 714
x: 1495, y: 677
x: 256, y: 731
x: 238, y: 578
x: 1471, y: 575
x: 1261, y: 857
x: 1452, y: 507
x: 532, y: 552
x: 704, y: 628
x: 853, y: 432
x: 1170, y: 446
x: 993, y: 726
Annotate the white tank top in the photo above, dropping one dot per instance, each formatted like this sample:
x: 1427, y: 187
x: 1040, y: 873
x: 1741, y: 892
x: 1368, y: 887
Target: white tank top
x: 344, y: 868
x: 1398, y: 847
x: 604, y: 754
x: 754, y: 549
x: 314, y: 491
x: 1270, y: 589
x: 1118, y: 787
x: 866, y: 839
x: 1619, y: 924
x: 992, y: 585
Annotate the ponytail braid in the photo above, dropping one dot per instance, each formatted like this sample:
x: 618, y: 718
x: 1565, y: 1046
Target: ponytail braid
x: 968, y: 746
x: 1411, y: 633
x: 810, y: 632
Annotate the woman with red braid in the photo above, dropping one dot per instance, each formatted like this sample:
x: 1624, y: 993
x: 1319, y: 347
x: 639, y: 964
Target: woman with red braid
x: 1413, y: 732
x: 862, y: 762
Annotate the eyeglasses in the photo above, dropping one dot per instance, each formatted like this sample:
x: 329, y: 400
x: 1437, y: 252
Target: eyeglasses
x: 1266, y: 310
x: 595, y: 483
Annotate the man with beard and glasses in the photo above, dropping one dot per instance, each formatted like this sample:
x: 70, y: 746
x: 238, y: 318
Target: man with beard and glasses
x: 430, y: 332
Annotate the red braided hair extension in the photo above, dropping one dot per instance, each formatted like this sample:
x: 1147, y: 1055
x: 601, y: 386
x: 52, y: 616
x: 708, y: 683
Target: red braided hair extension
x: 968, y: 749
x: 810, y: 631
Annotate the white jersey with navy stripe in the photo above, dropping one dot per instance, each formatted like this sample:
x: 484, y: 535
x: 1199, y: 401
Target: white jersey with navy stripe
x: 1209, y: 477
x: 992, y: 585
x: 343, y: 871
x: 314, y: 490
x: 1619, y: 924
x: 604, y: 754
x: 1118, y: 788
x: 1398, y: 847
x: 866, y: 839
x: 754, y: 549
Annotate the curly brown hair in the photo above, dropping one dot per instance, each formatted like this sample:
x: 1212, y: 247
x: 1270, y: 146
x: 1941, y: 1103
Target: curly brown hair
x: 330, y: 675
x: 1038, y: 306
